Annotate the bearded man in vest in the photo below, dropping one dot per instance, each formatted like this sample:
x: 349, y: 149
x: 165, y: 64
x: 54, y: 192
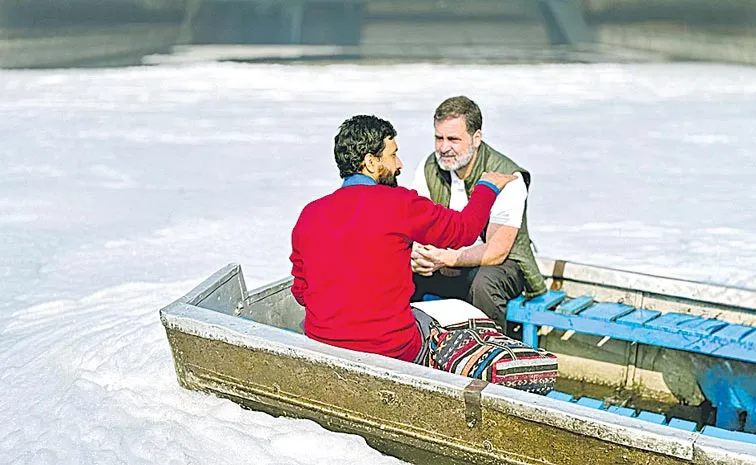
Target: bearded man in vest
x: 500, y: 265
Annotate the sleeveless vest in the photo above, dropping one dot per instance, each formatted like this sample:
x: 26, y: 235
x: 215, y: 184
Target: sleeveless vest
x: 439, y: 185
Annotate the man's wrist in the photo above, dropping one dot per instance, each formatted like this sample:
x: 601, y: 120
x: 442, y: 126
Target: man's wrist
x: 451, y: 257
x: 490, y: 185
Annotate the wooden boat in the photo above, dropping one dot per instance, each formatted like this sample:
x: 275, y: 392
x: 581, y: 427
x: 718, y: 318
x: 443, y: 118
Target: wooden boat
x: 616, y: 401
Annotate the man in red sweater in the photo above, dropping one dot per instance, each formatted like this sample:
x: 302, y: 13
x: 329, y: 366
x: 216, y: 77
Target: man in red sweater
x: 351, y: 249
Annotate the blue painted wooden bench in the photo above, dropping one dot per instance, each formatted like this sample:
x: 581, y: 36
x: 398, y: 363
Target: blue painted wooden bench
x: 618, y: 321
x: 732, y: 391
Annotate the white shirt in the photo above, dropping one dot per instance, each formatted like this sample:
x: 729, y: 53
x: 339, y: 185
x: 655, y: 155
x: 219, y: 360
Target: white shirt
x: 507, y: 210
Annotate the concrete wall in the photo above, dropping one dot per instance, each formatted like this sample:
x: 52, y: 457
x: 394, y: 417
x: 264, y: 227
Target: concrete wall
x: 720, y: 30
x: 63, y: 33
x: 706, y: 30
x: 470, y: 30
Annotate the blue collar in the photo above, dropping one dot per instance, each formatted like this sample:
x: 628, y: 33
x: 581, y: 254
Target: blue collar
x: 359, y: 179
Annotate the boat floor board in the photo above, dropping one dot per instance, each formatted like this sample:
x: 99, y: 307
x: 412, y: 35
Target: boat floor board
x: 655, y: 418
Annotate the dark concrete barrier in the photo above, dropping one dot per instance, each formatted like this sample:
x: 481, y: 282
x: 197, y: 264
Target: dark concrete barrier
x: 64, y: 33
x: 38, y: 33
x: 312, y: 22
x: 721, y: 30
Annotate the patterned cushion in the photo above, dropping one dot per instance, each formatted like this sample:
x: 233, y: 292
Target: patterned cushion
x: 478, y: 349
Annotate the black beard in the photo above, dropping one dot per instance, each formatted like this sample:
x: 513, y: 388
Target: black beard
x: 387, y: 178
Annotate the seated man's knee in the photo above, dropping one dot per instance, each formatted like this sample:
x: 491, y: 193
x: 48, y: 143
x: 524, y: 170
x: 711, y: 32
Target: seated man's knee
x: 503, y: 281
x: 486, y: 280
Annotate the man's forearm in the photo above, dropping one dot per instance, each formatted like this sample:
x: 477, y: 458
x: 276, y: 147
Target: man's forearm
x: 500, y: 241
x: 493, y: 252
x: 477, y: 255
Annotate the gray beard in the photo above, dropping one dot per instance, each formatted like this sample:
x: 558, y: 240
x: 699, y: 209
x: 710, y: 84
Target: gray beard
x: 459, y: 163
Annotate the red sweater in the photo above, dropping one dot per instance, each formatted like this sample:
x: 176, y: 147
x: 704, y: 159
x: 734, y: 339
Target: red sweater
x: 351, y: 262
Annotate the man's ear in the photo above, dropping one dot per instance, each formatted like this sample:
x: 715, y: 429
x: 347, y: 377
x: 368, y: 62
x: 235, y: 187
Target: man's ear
x: 477, y: 139
x: 370, y: 162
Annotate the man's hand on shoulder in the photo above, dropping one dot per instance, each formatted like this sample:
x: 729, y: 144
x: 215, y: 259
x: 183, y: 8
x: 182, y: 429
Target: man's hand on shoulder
x: 498, y: 179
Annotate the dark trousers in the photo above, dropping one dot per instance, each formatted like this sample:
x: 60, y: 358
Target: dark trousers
x: 488, y: 288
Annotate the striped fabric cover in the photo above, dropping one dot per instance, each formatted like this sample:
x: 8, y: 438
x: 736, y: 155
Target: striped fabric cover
x: 477, y: 349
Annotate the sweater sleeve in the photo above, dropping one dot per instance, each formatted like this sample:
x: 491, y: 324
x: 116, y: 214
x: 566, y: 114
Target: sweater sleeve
x: 434, y: 224
x: 299, y: 286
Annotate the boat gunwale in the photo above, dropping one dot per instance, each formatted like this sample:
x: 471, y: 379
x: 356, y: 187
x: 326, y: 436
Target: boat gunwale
x: 211, y: 284
x: 736, y: 297
x: 260, y: 293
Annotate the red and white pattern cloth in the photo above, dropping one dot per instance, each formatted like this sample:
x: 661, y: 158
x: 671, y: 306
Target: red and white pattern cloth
x: 478, y: 349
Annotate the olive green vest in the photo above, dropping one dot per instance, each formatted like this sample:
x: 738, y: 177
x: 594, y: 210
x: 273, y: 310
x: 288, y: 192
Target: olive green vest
x: 439, y: 185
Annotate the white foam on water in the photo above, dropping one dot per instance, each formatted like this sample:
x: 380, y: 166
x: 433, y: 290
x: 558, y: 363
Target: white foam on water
x: 123, y: 188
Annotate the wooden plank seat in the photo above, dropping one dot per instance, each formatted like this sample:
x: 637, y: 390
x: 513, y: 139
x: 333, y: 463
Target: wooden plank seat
x: 731, y: 390
x: 619, y: 321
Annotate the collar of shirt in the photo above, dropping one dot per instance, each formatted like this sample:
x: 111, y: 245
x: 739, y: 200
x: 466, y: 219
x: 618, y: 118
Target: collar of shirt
x: 458, y: 196
x: 359, y: 179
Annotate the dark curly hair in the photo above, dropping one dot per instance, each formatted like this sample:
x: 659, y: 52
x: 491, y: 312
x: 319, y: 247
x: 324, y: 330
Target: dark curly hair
x: 358, y: 136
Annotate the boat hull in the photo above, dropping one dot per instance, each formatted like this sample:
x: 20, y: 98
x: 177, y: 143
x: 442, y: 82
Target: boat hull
x: 412, y: 412
x: 417, y: 418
